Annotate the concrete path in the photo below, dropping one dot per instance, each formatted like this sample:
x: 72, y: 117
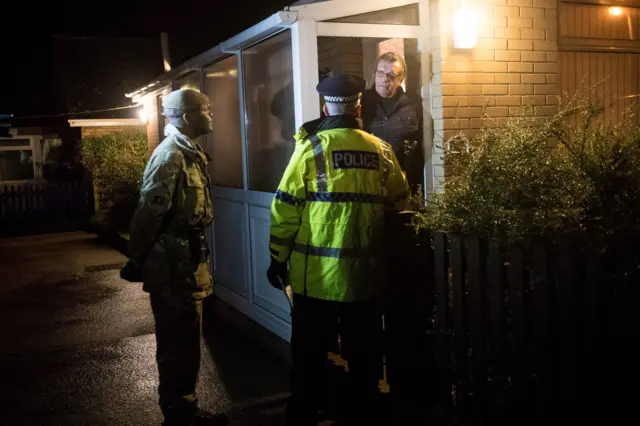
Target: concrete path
x: 77, y: 344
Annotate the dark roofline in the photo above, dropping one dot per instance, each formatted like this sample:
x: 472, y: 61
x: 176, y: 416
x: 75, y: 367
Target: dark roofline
x: 265, y: 28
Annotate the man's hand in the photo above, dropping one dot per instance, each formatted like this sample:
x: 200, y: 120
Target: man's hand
x: 131, y: 272
x: 277, y: 274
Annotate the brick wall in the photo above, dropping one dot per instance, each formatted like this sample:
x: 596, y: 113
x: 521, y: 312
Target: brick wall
x: 340, y: 55
x: 513, y: 68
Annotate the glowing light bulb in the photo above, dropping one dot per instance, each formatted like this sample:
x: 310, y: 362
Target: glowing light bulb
x: 615, y: 11
x: 142, y: 114
x: 465, y: 28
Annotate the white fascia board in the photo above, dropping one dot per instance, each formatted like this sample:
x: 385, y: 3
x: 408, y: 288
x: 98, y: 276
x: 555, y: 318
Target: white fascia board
x: 333, y: 9
x: 282, y: 19
x: 335, y: 29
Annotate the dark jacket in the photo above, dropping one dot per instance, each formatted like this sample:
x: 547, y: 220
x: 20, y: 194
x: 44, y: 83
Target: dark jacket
x: 401, y: 122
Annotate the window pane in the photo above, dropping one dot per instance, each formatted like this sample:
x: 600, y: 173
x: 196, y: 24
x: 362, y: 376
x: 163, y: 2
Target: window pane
x: 403, y: 15
x: 268, y: 77
x: 224, y: 144
x: 16, y: 165
x: 190, y: 81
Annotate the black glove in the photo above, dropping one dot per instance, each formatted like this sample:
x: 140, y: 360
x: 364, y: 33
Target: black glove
x: 277, y: 274
x: 131, y: 272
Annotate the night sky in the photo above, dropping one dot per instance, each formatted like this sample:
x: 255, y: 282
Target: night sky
x: 55, y: 53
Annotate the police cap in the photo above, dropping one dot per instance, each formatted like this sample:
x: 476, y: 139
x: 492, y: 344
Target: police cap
x: 184, y: 100
x: 341, y: 88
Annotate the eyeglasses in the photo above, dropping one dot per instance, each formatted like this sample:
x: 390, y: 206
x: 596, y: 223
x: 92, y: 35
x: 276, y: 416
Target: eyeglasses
x: 390, y: 76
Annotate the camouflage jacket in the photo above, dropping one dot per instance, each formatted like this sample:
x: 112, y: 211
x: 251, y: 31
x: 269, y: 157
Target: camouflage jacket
x: 175, y: 200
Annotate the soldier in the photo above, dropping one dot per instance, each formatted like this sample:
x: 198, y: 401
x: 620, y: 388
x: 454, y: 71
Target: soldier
x: 168, y: 252
x: 327, y: 221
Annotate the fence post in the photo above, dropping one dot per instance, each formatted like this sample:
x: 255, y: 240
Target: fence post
x: 564, y: 345
x: 442, y: 322
x: 28, y: 202
x: 4, y: 210
x: 19, y: 210
x: 540, y: 343
x: 496, y: 330
x: 593, y: 386
x: 517, y: 359
x: 42, y: 216
x: 475, y: 278
x: 460, y: 346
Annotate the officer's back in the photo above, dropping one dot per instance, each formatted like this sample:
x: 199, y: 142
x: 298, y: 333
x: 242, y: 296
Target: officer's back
x: 327, y: 222
x: 332, y: 201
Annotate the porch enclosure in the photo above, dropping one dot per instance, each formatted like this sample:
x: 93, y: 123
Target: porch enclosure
x: 261, y: 84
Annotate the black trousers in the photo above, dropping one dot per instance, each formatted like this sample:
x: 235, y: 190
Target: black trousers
x: 178, y: 331
x: 315, y: 324
x: 411, y: 370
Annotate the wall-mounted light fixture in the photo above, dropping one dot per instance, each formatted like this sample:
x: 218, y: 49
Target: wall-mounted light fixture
x: 621, y: 11
x: 465, y: 27
x: 143, y: 114
x: 616, y: 11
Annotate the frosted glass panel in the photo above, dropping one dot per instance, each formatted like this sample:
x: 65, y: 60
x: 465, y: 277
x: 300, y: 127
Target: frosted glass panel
x: 224, y: 144
x: 268, y: 78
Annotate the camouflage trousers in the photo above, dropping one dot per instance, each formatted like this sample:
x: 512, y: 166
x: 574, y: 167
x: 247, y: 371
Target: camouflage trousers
x: 178, y: 332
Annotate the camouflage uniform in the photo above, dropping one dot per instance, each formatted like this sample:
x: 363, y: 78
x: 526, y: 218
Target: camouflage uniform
x: 167, y: 242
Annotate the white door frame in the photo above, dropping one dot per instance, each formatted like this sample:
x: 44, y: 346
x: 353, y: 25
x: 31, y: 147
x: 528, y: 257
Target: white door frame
x: 305, y: 33
x: 339, y: 29
x: 334, y: 9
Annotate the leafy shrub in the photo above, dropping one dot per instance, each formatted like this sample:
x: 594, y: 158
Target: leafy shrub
x: 571, y: 173
x: 116, y: 162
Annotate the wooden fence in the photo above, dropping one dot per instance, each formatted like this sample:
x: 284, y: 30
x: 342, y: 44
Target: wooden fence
x: 38, y: 208
x: 517, y: 333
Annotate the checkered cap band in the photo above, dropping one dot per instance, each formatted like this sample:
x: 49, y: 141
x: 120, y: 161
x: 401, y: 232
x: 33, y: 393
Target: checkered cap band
x: 342, y: 99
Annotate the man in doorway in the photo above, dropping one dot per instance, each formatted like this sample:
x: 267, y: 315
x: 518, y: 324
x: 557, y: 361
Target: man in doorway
x: 327, y: 221
x: 168, y: 252
x: 395, y: 116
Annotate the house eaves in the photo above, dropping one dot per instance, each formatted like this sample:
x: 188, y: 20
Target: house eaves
x: 306, y: 2
x: 274, y: 23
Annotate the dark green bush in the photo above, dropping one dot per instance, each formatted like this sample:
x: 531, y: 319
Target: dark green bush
x: 571, y: 173
x: 116, y: 162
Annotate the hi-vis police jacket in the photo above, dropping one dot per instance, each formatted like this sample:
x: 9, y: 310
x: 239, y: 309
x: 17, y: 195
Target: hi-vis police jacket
x: 327, y: 217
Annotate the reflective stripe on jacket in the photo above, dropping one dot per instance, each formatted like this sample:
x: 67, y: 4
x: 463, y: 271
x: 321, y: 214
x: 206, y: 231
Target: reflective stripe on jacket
x: 327, y: 217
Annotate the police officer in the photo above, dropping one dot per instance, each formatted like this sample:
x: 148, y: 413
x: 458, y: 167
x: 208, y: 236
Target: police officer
x: 327, y: 223
x: 168, y: 252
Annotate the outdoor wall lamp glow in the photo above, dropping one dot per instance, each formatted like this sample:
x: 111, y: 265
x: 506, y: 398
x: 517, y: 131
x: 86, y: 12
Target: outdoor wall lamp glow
x: 619, y: 11
x: 615, y: 11
x: 465, y: 27
x: 143, y: 115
